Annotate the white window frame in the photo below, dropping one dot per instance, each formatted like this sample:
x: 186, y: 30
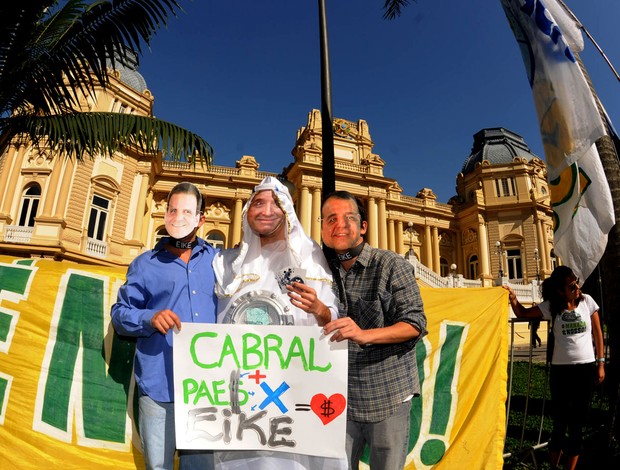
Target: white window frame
x: 29, y: 206
x: 99, y: 227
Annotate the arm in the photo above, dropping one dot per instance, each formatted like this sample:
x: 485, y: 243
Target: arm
x: 131, y: 315
x: 519, y: 310
x: 599, y: 347
x: 346, y: 328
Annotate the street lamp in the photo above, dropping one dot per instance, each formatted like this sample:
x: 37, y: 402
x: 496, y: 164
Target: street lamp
x: 453, y: 274
x: 537, y: 260
x: 499, y: 251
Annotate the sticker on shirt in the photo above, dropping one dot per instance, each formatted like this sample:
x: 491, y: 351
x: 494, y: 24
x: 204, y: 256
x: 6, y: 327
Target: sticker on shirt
x: 572, y: 323
x: 289, y: 275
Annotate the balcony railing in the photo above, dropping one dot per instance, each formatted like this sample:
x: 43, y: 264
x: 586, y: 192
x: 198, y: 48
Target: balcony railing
x: 527, y: 293
x: 18, y: 234
x: 96, y: 248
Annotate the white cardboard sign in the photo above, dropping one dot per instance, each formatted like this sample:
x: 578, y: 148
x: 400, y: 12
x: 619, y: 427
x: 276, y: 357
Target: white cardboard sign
x: 277, y: 388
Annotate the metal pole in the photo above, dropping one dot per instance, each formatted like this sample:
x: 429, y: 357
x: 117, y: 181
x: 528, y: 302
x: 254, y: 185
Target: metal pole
x: 499, y: 250
x: 583, y: 28
x: 329, y: 165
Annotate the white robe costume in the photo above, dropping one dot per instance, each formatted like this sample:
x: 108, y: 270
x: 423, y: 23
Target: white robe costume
x: 250, y: 268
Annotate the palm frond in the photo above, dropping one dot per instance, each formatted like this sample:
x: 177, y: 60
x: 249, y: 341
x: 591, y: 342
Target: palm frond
x: 53, y: 53
x: 393, y: 8
x: 75, y: 39
x: 93, y: 134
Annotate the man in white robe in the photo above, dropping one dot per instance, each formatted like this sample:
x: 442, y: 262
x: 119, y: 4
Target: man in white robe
x: 277, y: 275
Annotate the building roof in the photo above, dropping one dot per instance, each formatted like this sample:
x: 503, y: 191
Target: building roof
x: 127, y: 67
x: 498, y: 146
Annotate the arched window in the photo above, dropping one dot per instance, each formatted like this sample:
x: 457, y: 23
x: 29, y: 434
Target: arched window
x: 216, y: 239
x: 30, y: 204
x: 473, y: 266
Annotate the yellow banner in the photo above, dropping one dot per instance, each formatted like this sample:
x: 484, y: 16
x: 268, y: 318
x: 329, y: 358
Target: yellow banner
x: 66, y: 380
x: 460, y: 419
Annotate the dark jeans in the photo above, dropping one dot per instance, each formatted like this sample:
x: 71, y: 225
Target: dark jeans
x: 571, y: 391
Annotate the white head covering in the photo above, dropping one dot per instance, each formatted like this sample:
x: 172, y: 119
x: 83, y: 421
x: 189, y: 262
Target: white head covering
x: 251, y: 267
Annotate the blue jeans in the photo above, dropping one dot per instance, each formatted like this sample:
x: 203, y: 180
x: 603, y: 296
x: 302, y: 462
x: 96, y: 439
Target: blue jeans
x: 388, y: 440
x: 158, y: 439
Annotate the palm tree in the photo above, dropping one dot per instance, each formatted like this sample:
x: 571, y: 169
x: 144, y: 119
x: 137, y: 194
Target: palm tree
x: 53, y: 53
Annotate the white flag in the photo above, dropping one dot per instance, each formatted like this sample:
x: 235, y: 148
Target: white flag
x: 570, y: 29
x: 569, y: 124
x: 583, y: 212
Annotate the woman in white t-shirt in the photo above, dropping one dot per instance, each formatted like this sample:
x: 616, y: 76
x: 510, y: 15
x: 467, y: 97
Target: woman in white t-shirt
x: 576, y: 366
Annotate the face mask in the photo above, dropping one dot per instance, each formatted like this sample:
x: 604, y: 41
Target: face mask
x: 181, y: 218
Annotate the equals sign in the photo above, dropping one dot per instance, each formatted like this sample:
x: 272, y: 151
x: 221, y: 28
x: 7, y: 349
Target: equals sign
x: 302, y: 407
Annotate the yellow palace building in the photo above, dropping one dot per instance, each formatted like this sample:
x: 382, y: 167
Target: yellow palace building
x: 106, y: 211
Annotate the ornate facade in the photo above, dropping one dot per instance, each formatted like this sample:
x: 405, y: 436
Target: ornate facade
x: 106, y: 211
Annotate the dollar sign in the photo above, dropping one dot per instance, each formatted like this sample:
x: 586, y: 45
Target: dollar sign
x: 327, y: 409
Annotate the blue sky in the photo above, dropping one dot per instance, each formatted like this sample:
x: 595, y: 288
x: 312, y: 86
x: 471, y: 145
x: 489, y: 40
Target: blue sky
x: 244, y: 74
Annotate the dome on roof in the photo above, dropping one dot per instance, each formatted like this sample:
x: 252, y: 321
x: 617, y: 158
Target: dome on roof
x: 498, y: 146
x: 132, y: 78
x: 127, y: 67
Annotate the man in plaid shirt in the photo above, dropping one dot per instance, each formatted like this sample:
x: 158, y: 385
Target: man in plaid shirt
x: 382, y: 316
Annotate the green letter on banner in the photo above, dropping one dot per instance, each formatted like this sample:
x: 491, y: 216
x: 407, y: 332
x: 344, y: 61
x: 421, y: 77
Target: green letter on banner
x: 104, y: 393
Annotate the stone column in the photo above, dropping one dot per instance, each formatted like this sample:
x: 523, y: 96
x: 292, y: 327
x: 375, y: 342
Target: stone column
x: 391, y: 241
x: 483, y: 249
x: 7, y: 170
x: 428, y: 247
x: 65, y: 187
x: 436, y: 261
x: 381, y: 224
x: 399, y: 236
x: 10, y: 190
x: 236, y: 223
x: 543, y: 246
x: 139, y: 215
x: 371, y: 234
x: 52, y: 188
x: 304, y: 210
x: 316, y: 215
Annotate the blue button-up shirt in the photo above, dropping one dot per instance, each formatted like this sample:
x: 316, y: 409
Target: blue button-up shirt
x: 158, y: 280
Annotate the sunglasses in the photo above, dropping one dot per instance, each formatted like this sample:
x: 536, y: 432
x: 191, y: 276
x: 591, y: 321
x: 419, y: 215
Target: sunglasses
x: 573, y: 286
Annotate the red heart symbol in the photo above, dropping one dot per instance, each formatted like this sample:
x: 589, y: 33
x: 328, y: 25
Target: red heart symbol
x: 327, y: 409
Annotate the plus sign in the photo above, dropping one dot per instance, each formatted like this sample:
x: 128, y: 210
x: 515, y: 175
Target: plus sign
x: 257, y: 376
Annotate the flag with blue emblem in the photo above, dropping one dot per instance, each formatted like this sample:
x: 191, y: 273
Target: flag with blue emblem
x: 570, y: 124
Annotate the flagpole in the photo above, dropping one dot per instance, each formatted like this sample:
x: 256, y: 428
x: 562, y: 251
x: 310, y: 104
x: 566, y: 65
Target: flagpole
x: 583, y: 28
x: 329, y: 165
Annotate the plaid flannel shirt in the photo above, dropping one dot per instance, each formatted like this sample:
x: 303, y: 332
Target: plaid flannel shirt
x: 378, y: 291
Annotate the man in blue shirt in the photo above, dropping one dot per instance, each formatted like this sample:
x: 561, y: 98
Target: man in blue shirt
x: 171, y: 284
